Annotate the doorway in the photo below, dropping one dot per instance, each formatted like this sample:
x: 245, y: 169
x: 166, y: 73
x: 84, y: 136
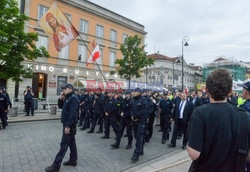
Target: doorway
x: 39, y: 85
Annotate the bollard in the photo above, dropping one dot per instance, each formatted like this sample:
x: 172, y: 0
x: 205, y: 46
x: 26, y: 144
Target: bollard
x: 13, y: 112
x: 53, y: 110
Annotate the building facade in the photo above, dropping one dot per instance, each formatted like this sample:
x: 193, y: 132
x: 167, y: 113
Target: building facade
x: 167, y: 72
x: 94, y: 23
x: 237, y: 69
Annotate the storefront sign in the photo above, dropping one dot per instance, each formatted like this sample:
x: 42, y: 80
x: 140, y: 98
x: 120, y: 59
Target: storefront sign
x: 52, y: 83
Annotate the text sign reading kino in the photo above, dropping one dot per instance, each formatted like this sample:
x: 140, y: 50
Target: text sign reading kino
x: 64, y: 70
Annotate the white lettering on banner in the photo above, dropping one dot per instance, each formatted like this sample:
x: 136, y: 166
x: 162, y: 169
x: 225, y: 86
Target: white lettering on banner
x: 37, y: 67
x: 30, y: 66
x: 77, y: 72
x: 87, y: 73
x: 115, y: 75
x: 43, y: 68
x: 96, y: 73
x: 107, y: 75
x: 51, y: 69
x: 65, y: 70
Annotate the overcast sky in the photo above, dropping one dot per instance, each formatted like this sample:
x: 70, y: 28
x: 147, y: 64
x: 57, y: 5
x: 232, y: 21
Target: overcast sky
x: 214, y: 27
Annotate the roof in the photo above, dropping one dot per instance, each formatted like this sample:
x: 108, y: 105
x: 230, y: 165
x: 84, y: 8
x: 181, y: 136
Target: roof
x: 219, y: 59
x: 157, y: 56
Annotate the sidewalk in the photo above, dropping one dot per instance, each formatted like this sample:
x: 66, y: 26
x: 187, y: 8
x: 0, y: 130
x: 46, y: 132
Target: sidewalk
x: 36, y: 117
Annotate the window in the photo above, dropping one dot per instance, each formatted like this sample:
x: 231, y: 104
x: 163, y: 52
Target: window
x: 61, y: 81
x: 42, y: 41
x: 124, y: 37
x: 113, y: 36
x: 99, y: 31
x: 112, y: 57
x: 82, y: 52
x: 42, y: 10
x: 64, y: 53
x: 84, y: 26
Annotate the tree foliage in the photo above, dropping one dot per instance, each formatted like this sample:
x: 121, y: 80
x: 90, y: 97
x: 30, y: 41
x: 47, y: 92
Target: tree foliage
x: 134, y: 59
x: 15, y: 44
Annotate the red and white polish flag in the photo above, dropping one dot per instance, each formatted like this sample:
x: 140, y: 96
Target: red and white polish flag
x: 94, y: 55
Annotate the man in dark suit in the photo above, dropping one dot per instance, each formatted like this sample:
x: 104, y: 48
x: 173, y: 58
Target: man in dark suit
x: 196, y: 100
x: 182, y: 114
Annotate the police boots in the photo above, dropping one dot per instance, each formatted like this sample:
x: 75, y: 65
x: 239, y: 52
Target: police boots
x: 115, y: 145
x: 129, y: 146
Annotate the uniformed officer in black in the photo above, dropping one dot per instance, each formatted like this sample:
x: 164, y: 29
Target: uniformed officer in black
x: 9, y: 103
x: 98, y: 110
x: 165, y: 106
x: 125, y: 122
x: 111, y: 112
x: 246, y: 105
x: 3, y: 108
x: 28, y: 101
x: 69, y: 103
x: 139, y: 119
x: 86, y: 104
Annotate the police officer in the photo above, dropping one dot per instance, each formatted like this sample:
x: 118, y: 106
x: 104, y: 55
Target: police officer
x: 111, y: 111
x: 28, y: 101
x: 246, y: 105
x: 149, y: 111
x: 69, y: 103
x: 139, y: 119
x: 165, y: 106
x: 9, y: 103
x: 125, y: 122
x: 3, y: 108
x: 86, y: 109
x: 98, y: 111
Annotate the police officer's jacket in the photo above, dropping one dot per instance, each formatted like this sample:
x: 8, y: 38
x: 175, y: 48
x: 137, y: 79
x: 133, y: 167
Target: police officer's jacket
x: 149, y: 105
x: 99, y: 104
x: 139, y: 108
x: 125, y: 107
x: 3, y: 102
x: 246, y: 105
x: 70, y: 109
x: 87, y: 102
x: 111, y: 106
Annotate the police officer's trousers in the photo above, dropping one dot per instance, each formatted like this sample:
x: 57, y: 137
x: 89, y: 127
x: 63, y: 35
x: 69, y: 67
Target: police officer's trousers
x: 139, y: 131
x: 125, y: 122
x: 97, y: 116
x: 165, y: 126
x: 3, y: 116
x: 86, y: 122
x: 29, y: 105
x: 111, y: 120
x: 67, y: 141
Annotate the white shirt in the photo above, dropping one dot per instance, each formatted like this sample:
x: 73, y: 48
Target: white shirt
x: 182, y: 108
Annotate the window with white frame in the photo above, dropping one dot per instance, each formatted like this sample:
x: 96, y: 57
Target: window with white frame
x: 64, y: 53
x: 112, y: 58
x: 113, y: 36
x: 82, y: 52
x: 41, y: 11
x: 84, y: 26
x: 42, y: 41
x: 124, y: 36
x: 99, y: 31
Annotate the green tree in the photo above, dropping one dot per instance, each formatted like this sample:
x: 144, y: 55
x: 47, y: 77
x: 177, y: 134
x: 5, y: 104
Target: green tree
x: 15, y: 44
x: 134, y: 59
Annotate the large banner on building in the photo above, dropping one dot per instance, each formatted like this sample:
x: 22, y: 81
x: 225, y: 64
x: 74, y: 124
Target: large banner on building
x: 58, y: 27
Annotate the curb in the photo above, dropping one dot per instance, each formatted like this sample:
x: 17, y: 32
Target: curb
x: 173, y: 164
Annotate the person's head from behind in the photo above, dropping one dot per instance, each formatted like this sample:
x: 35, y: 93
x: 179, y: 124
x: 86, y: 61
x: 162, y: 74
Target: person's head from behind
x: 246, y: 89
x: 219, y: 84
x: 68, y: 88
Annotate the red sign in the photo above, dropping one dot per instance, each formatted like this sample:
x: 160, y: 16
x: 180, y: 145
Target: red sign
x: 52, y: 83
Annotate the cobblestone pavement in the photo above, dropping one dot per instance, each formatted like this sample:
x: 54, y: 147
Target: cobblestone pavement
x: 31, y: 146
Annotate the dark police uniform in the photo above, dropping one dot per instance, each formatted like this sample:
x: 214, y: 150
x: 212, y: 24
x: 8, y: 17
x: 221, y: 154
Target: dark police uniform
x: 98, y: 113
x: 3, y: 109
x: 69, y: 117
x: 246, y: 105
x: 125, y: 122
x: 86, y: 110
x: 29, y: 105
x: 139, y: 115
x: 148, y: 112
x: 112, y: 110
x: 166, y: 108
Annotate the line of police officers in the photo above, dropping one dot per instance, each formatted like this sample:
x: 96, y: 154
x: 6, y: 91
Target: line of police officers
x: 135, y: 111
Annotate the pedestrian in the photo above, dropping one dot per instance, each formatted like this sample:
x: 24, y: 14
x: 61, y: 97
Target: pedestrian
x: 219, y: 133
x: 28, y: 101
x: 139, y: 119
x: 182, y: 114
x: 98, y: 110
x: 3, y: 108
x: 69, y: 104
x: 125, y: 122
x: 165, y: 106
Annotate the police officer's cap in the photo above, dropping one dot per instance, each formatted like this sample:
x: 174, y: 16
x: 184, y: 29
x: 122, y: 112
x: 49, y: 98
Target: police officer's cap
x: 165, y: 93
x: 246, y: 85
x: 84, y: 90
x: 145, y: 90
x: 127, y: 91
x: 2, y: 88
x: 67, y: 86
x: 137, y: 90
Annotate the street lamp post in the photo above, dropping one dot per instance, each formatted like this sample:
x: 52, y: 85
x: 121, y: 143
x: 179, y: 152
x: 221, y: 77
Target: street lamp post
x: 183, y: 43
